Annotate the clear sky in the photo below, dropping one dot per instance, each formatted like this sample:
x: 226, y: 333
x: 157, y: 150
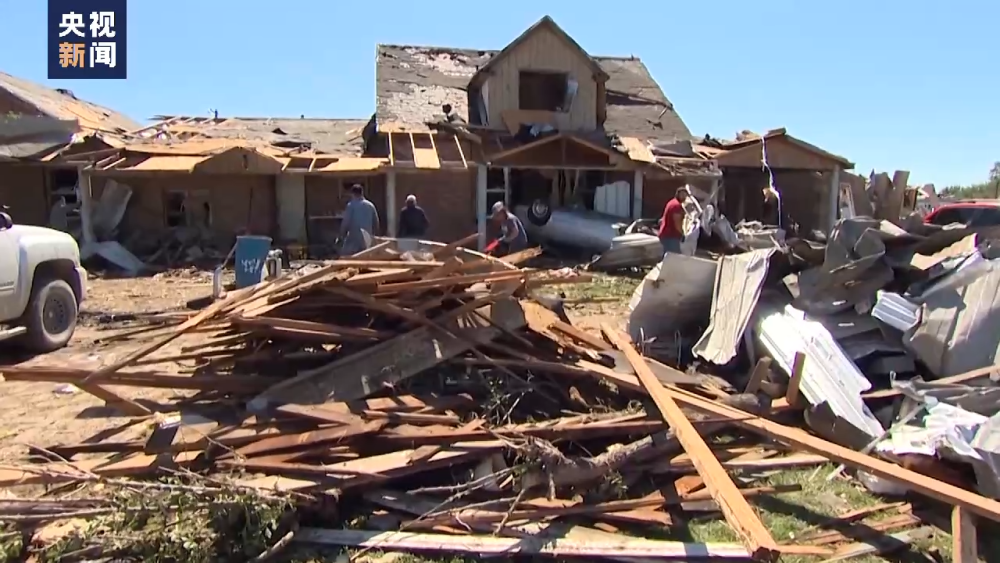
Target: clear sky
x: 886, y: 83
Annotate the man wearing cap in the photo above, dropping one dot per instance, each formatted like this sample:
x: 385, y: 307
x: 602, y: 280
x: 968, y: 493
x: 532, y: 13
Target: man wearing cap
x: 360, y: 222
x: 512, y: 235
x: 413, y: 221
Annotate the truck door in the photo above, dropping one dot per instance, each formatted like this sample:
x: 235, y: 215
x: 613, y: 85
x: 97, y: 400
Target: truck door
x: 9, y: 267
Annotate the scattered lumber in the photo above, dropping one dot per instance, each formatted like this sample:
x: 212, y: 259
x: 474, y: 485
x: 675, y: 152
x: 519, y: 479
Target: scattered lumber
x: 426, y: 391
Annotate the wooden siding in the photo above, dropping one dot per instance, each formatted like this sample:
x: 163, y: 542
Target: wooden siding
x: 544, y: 51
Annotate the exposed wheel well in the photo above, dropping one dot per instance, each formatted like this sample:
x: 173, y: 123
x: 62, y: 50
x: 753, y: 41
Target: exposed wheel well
x: 61, y: 270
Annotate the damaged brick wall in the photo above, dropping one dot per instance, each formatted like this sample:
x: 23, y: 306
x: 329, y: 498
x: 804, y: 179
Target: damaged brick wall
x: 236, y: 203
x: 22, y: 188
x: 447, y: 196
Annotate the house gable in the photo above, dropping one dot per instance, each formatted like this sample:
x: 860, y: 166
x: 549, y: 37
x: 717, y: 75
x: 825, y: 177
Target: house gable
x: 544, y: 69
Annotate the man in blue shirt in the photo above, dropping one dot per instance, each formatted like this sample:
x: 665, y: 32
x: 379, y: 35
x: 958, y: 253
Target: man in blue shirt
x: 360, y: 222
x: 512, y: 235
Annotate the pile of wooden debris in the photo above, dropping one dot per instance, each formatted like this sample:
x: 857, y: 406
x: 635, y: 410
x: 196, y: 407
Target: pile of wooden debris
x: 426, y: 392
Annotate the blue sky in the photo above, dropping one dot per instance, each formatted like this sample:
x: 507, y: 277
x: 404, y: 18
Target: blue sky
x: 888, y: 84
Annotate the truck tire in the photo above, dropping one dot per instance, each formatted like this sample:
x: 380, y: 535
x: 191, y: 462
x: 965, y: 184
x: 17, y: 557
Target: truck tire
x: 539, y: 212
x: 51, y: 315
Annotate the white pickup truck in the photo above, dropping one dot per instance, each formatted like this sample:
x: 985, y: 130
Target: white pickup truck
x: 41, y: 285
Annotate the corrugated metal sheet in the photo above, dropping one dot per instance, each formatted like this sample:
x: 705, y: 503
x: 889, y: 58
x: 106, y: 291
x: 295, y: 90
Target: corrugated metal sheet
x: 960, y: 326
x: 737, y: 288
x: 829, y: 377
x: 896, y: 311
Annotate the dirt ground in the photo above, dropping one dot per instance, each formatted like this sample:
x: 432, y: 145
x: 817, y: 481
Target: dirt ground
x: 43, y: 414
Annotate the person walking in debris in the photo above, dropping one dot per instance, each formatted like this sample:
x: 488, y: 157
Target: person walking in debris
x: 413, y: 221
x: 672, y: 224
x: 360, y: 222
x: 512, y: 236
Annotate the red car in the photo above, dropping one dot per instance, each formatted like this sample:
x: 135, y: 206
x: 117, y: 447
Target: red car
x: 971, y: 213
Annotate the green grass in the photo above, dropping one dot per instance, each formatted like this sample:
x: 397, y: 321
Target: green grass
x: 602, y: 286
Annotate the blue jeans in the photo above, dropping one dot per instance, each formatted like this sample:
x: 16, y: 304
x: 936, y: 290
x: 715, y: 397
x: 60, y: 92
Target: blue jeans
x: 671, y: 244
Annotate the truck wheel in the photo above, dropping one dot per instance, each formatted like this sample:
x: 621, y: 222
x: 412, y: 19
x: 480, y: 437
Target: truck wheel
x: 51, y: 316
x: 539, y: 212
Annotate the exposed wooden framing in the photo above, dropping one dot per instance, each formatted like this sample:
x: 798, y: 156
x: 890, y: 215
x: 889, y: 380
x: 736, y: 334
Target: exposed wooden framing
x: 392, y: 157
x: 312, y: 165
x: 458, y: 143
x: 390, y: 203
x: 737, y: 511
x: 424, y: 158
x: 101, y: 164
x: 115, y: 164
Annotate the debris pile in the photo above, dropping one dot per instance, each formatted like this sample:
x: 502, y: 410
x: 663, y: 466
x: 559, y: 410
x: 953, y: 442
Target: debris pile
x: 429, y: 396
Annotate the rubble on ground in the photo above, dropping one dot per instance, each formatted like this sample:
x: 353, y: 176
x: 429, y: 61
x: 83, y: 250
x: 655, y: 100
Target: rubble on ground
x: 440, y: 402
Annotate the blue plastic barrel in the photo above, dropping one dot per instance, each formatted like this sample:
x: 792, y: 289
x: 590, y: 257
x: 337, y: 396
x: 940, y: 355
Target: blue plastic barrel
x: 251, y: 252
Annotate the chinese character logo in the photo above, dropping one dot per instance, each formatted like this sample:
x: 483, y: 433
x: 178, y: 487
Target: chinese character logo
x: 87, y: 39
x: 72, y: 23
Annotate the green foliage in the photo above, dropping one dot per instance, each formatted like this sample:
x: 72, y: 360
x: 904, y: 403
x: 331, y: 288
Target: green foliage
x: 982, y: 190
x: 172, y: 525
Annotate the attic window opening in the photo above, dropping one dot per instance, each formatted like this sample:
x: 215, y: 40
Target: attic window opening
x: 544, y: 91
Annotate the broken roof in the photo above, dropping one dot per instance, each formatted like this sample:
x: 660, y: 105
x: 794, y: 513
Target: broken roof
x: 62, y: 104
x: 548, y: 24
x: 413, y: 82
x: 283, y: 135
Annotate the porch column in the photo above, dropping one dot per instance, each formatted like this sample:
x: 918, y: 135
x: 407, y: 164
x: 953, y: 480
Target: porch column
x: 390, y: 203
x: 481, y: 204
x: 506, y: 185
x: 86, y: 206
x: 834, y: 198
x: 637, y: 195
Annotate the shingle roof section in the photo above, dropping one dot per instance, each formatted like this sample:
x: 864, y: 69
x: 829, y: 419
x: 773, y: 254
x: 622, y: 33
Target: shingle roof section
x: 413, y: 82
x: 62, y: 104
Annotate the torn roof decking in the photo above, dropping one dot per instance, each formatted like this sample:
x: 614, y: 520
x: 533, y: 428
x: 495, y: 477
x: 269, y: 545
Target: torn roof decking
x: 61, y: 104
x: 412, y: 83
x: 321, y: 136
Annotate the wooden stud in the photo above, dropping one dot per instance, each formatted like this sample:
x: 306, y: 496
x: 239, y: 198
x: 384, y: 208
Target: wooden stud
x: 795, y: 380
x: 392, y: 157
x: 458, y: 143
x: 760, y: 372
x: 312, y: 164
x: 963, y: 536
x: 737, y: 511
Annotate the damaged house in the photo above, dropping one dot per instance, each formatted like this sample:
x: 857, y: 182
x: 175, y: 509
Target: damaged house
x: 541, y: 125
x: 540, y: 120
x: 37, y: 126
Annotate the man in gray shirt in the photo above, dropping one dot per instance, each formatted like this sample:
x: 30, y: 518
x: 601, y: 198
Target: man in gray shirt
x: 360, y: 222
x: 512, y: 236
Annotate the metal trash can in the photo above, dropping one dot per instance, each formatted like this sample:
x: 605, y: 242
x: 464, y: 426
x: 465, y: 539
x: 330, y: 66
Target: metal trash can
x: 251, y: 252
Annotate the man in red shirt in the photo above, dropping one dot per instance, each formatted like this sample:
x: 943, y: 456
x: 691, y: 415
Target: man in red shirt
x: 672, y: 224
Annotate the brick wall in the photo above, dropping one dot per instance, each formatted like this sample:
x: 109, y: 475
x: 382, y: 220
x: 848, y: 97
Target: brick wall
x: 22, y: 188
x: 448, y: 197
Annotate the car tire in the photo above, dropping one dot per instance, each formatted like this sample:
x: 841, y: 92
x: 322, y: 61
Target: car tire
x: 51, y: 316
x: 539, y: 212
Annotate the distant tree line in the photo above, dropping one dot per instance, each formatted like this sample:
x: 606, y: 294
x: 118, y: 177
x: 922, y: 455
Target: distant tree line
x: 983, y: 190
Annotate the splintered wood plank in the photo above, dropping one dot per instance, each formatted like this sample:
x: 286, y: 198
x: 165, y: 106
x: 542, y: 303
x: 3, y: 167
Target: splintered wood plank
x: 387, y: 363
x: 314, y: 438
x: 51, y: 473
x: 423, y: 156
x: 461, y: 151
x: 737, y: 511
x: 375, y: 468
x: 609, y: 546
x: 580, y: 335
x: 795, y: 381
